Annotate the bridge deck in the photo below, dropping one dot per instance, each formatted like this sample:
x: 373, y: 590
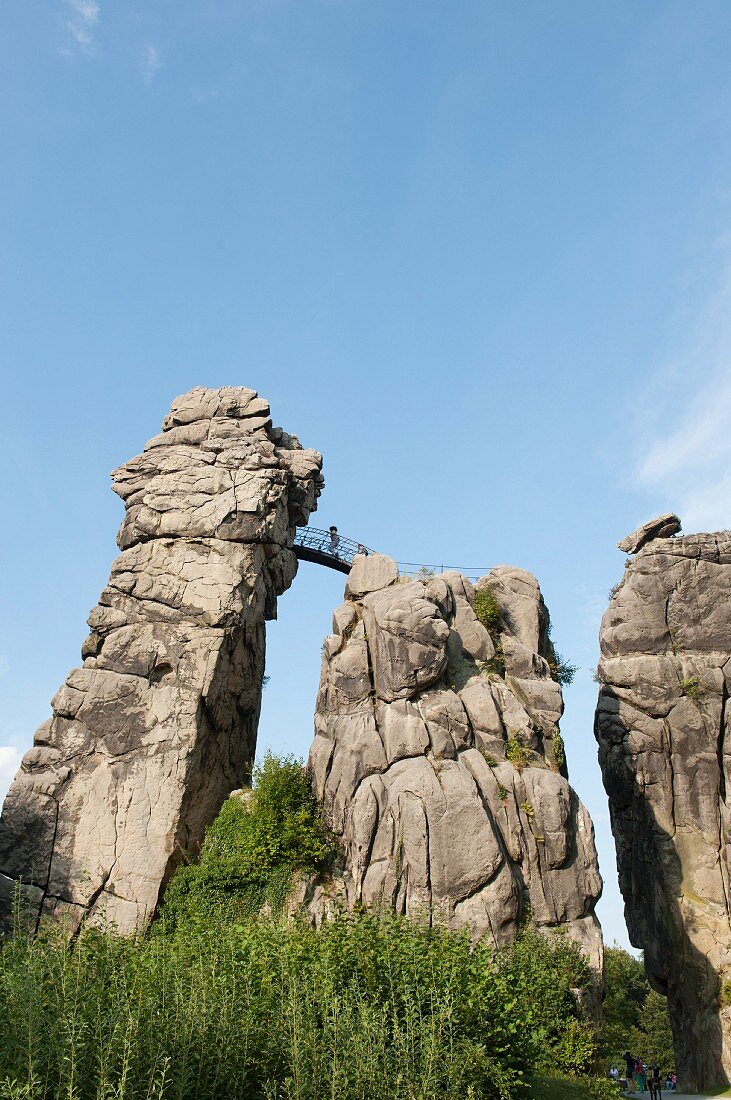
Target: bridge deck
x: 311, y: 544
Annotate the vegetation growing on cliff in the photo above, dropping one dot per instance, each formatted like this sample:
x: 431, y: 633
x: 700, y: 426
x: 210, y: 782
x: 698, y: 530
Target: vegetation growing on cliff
x: 251, y: 850
x: 487, y: 610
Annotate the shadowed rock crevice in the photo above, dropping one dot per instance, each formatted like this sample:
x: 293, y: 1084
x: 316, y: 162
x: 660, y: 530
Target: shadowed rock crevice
x: 151, y: 734
x: 662, y: 725
x: 438, y: 774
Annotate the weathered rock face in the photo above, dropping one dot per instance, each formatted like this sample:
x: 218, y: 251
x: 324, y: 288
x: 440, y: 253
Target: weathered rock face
x: 664, y: 730
x: 439, y: 761
x: 157, y: 727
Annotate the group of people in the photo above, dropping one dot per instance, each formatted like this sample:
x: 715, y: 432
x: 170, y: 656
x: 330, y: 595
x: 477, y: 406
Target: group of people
x: 640, y: 1077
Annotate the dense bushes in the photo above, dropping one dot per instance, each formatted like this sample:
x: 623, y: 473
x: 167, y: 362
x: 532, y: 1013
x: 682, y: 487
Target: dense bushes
x: 544, y: 974
x: 251, y: 850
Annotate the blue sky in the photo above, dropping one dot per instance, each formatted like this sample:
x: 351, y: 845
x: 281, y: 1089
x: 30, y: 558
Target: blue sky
x: 478, y: 254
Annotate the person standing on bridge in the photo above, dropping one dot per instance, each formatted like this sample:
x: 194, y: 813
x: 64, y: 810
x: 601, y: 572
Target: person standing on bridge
x: 334, y: 541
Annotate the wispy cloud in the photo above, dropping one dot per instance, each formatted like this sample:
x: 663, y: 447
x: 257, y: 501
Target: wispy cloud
x: 82, y: 18
x: 150, y: 63
x: 9, y: 764
x: 685, y: 459
x: 225, y: 87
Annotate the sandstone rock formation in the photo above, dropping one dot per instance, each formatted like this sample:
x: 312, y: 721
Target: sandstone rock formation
x: 438, y: 758
x: 662, y: 527
x: 664, y: 730
x: 150, y: 735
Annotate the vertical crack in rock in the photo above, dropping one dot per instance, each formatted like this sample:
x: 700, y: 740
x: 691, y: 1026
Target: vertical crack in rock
x: 159, y: 724
x: 420, y: 744
x: 662, y: 727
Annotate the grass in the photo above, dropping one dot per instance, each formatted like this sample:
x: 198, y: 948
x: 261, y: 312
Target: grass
x: 573, y: 1088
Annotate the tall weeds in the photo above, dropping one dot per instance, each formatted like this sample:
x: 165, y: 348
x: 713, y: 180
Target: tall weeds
x: 364, y: 1009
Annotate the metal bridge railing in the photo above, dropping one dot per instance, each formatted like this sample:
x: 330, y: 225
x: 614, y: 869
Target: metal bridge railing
x: 322, y: 543
x: 312, y: 544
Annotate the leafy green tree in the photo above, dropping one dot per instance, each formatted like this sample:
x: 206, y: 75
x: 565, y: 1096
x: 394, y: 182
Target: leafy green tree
x: 653, y: 1037
x: 625, y: 990
x: 634, y: 1016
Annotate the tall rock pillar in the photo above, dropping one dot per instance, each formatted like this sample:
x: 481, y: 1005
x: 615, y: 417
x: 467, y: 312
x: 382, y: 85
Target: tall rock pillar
x: 438, y: 759
x: 150, y: 735
x: 664, y: 730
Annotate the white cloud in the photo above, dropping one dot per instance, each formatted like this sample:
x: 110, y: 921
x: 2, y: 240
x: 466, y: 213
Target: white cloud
x: 83, y: 17
x: 685, y: 459
x: 9, y: 764
x: 150, y: 63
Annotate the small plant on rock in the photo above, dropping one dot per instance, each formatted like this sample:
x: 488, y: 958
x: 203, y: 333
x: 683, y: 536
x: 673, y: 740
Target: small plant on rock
x: 559, y: 749
x: 487, y: 610
x: 527, y: 808
x: 692, y: 687
x: 517, y: 753
x: 495, y: 666
x: 502, y: 792
x: 562, y: 671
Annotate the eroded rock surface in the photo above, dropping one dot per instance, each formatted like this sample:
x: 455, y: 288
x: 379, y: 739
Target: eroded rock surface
x: 664, y: 730
x: 438, y: 759
x: 150, y: 735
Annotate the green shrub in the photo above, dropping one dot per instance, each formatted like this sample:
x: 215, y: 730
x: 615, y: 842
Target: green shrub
x: 251, y: 850
x: 487, y: 610
x: 562, y: 671
x: 544, y: 972
x: 575, y: 1047
x: 692, y: 687
x: 575, y: 1087
x: 634, y: 1016
x: 559, y: 749
x: 516, y: 752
